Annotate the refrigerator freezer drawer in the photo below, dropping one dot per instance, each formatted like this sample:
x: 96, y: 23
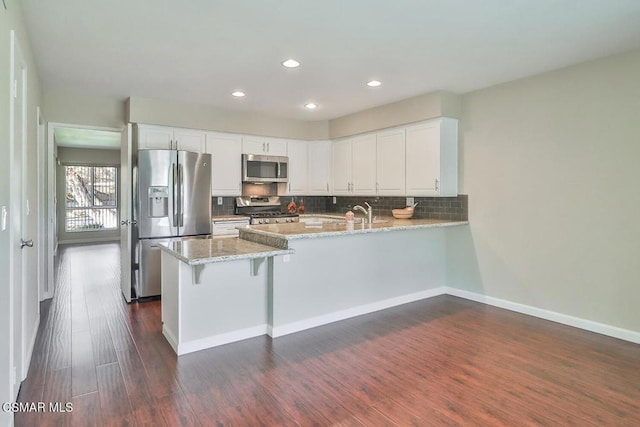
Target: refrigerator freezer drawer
x: 148, y: 283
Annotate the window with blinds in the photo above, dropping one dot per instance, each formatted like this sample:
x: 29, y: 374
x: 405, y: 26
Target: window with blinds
x: 91, y: 198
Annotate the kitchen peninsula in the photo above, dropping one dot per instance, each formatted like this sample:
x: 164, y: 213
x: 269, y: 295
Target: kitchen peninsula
x: 282, y: 278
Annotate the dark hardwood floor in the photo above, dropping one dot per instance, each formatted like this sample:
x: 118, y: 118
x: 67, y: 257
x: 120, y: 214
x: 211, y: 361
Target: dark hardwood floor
x: 441, y: 361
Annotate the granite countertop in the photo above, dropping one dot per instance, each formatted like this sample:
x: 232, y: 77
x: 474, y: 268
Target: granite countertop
x: 204, y: 251
x: 229, y: 217
x: 278, y: 235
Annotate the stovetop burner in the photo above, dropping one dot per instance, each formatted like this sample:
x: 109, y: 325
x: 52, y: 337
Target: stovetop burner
x: 264, y: 210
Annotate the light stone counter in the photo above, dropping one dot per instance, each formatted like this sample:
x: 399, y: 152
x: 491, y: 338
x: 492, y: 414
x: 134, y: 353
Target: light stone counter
x: 279, y: 235
x: 205, y: 251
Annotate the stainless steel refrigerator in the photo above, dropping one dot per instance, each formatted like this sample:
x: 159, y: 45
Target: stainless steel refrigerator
x: 172, y: 200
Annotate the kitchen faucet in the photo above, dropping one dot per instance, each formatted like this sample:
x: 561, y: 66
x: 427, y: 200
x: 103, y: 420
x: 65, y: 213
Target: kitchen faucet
x: 368, y: 212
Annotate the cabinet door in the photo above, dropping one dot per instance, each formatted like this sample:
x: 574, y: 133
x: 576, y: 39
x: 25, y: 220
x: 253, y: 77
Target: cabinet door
x: 275, y: 147
x: 319, y: 167
x: 254, y: 145
x: 364, y: 165
x: 154, y: 137
x: 423, y: 160
x: 297, y: 167
x: 226, y: 170
x: 341, y: 166
x: 390, y: 159
x: 189, y: 140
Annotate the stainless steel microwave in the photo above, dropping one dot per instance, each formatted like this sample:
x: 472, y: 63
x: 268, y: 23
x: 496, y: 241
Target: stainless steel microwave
x: 258, y: 168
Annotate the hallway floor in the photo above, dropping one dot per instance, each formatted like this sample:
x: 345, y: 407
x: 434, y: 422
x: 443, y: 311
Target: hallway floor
x: 440, y: 361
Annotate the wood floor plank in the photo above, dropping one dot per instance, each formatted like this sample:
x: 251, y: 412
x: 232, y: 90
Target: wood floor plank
x: 86, y: 410
x: 83, y: 367
x: 177, y: 411
x: 114, y: 402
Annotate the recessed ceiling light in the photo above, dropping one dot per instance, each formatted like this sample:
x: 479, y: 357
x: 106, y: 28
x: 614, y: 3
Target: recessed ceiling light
x: 290, y: 63
x: 374, y: 83
x: 238, y: 94
x: 311, y: 106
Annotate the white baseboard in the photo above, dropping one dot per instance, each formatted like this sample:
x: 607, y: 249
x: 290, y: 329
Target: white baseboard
x: 90, y: 240
x: 171, y: 338
x: 589, y: 325
x: 32, y: 344
x: 335, y: 316
x: 216, y: 340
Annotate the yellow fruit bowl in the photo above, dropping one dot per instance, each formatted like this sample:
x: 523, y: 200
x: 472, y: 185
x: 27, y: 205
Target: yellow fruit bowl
x: 405, y: 213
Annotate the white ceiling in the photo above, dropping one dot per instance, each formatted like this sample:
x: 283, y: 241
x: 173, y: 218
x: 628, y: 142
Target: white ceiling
x: 199, y: 51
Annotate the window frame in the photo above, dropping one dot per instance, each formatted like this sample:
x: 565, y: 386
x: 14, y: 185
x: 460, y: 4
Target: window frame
x: 66, y: 209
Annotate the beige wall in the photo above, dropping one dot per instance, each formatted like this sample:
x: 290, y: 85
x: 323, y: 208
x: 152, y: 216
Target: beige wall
x: 69, y: 107
x: 157, y: 112
x: 418, y: 108
x: 550, y: 164
x: 82, y: 156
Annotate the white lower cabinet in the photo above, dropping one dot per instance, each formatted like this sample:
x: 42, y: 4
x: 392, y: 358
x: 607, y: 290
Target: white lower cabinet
x: 226, y: 171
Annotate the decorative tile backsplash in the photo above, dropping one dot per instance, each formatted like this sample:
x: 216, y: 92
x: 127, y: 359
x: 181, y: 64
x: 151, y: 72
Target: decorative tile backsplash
x: 454, y: 208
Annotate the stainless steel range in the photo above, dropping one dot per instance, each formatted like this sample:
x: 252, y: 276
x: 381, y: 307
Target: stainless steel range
x: 264, y: 210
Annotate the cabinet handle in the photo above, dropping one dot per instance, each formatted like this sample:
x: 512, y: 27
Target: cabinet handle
x: 268, y: 148
x: 327, y: 187
x: 289, y: 186
x: 264, y: 147
x: 437, y: 184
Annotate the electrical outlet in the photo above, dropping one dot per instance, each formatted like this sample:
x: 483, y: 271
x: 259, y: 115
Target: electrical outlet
x: 334, y: 200
x: 219, y: 201
x: 409, y: 201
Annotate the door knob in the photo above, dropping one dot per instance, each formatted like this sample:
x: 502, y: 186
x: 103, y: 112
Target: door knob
x: 24, y: 243
x: 124, y: 222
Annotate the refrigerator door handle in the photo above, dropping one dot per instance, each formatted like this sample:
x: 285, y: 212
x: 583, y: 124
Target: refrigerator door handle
x: 180, y: 195
x: 174, y: 201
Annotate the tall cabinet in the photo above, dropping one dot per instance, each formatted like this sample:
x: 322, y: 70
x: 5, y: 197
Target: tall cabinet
x: 226, y: 171
x: 432, y: 158
x: 319, y: 168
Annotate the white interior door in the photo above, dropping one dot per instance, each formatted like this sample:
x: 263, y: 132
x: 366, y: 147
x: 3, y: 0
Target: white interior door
x: 19, y: 243
x: 51, y: 210
x: 125, y: 213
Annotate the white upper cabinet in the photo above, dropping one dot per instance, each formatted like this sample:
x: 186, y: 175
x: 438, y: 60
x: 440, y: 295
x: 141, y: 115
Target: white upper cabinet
x: 390, y: 170
x: 354, y: 166
x: 319, y: 168
x: 168, y: 138
x: 189, y: 140
x: 432, y: 158
x: 341, y: 166
x: 226, y: 170
x: 363, y: 153
x: 263, y: 145
x: 297, y: 168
